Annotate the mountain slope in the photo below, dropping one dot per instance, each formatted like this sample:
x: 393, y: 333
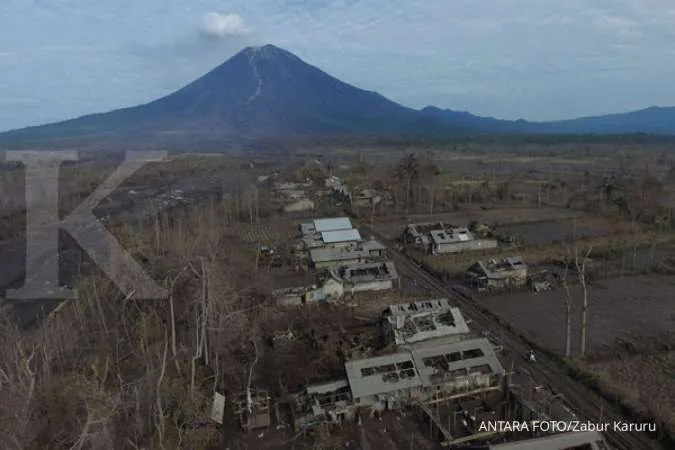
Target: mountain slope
x: 475, y: 123
x: 260, y: 92
x: 267, y: 92
x: 652, y: 120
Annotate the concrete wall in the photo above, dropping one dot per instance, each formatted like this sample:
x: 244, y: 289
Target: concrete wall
x: 382, y: 285
x: 311, y: 296
x: 329, y: 264
x: 515, y: 279
x: 394, y: 399
x: 457, y: 247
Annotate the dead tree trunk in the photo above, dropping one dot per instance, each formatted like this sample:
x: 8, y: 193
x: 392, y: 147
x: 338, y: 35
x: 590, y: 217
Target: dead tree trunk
x: 581, y: 271
x: 407, y: 196
x: 635, y: 244
x: 432, y: 194
x: 160, y: 423
x: 249, y: 397
x: 568, y: 313
x: 372, y: 211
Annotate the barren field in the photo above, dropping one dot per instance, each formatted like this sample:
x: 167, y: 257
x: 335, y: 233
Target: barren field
x: 633, y: 309
x: 371, y: 304
x: 549, y: 231
x: 646, y: 382
x: 274, y: 230
x: 602, y: 247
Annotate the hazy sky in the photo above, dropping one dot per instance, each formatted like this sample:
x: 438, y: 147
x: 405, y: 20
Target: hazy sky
x: 533, y: 59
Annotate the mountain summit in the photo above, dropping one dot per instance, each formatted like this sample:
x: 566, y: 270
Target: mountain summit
x: 267, y: 92
x: 259, y: 92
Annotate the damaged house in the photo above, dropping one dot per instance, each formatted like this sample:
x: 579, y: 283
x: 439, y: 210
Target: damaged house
x: 439, y: 238
x: 296, y: 291
x: 375, y: 276
x: 333, y: 284
x: 409, y: 323
x: 329, y: 402
x: 354, y: 253
x: 450, y: 378
x: 511, y: 272
x: 426, y: 372
x: 253, y: 409
x: 457, y: 240
x: 367, y: 197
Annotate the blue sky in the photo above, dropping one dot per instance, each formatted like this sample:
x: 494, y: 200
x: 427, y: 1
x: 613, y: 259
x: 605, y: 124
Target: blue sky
x: 533, y: 59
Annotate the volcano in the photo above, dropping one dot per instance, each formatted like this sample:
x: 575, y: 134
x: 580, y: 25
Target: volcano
x: 267, y: 92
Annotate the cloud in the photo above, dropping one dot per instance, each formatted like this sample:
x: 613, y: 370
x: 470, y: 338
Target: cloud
x: 615, y: 24
x: 505, y: 58
x: 217, y: 25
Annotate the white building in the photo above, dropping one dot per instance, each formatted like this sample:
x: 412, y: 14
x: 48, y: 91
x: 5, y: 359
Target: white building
x: 425, y: 371
x: 510, y: 272
x: 438, y: 238
x: 409, y: 323
x: 376, y: 276
x: 455, y: 240
x: 302, y: 291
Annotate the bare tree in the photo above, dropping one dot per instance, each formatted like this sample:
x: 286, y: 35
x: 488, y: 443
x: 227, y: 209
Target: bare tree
x: 249, y: 397
x: 161, y: 423
x: 568, y: 311
x: 408, y: 172
x: 580, y: 265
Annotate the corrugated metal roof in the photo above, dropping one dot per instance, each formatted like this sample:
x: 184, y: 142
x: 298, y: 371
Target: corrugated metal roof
x: 560, y: 441
x: 334, y: 223
x: 332, y: 237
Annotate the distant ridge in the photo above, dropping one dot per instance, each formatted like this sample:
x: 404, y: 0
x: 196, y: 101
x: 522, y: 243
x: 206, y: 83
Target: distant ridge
x: 267, y: 92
